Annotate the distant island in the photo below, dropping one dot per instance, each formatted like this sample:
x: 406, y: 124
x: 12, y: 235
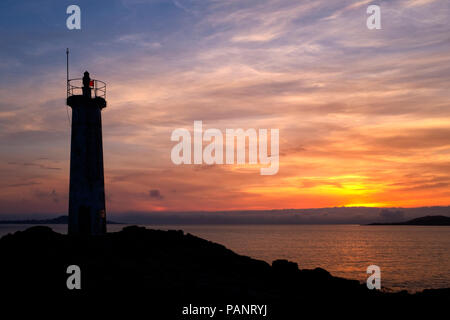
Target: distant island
x: 422, y: 221
x: 58, y: 220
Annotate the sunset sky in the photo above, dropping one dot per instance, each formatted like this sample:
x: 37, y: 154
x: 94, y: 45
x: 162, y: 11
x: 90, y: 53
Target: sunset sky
x: 364, y: 115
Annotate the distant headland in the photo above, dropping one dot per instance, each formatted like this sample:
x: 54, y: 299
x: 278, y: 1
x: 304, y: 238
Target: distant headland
x: 57, y: 220
x: 422, y: 221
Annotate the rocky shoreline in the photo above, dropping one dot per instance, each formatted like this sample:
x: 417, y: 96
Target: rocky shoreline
x: 176, y: 269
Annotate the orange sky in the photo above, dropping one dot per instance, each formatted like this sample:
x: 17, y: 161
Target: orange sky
x: 364, y: 115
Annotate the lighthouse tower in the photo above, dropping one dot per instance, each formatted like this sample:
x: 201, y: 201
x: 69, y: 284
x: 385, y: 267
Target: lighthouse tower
x: 87, y: 212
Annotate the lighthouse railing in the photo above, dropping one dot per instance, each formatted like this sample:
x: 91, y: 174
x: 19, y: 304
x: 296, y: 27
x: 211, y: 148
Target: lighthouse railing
x: 75, y: 87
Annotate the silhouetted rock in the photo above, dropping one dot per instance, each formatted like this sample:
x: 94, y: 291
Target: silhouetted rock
x: 284, y: 266
x: 170, y: 268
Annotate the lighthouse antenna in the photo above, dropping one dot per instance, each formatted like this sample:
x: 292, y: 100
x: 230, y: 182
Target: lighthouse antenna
x: 67, y: 69
x: 67, y: 84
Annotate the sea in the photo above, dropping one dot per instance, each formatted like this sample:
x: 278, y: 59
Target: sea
x: 410, y: 258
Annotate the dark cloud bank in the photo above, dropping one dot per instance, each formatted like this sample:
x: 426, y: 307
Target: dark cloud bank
x: 335, y: 215
x: 338, y: 215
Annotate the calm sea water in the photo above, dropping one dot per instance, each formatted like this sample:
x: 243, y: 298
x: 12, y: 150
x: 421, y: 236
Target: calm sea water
x: 410, y: 257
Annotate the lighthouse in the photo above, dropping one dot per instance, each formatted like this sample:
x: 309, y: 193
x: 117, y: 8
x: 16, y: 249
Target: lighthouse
x: 87, y: 211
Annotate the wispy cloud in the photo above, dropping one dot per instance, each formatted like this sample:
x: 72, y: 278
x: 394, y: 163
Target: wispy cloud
x: 363, y: 115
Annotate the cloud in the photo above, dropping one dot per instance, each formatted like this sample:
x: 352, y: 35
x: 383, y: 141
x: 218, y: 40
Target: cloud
x: 179, y: 4
x: 391, y: 216
x: 155, y: 194
x: 363, y: 115
x: 25, y: 184
x: 415, y: 3
x: 354, y: 5
x: 138, y: 39
x: 32, y: 164
x: 52, y: 195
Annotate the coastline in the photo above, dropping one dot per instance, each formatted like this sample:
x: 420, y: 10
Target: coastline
x: 402, y: 264
x: 177, y: 267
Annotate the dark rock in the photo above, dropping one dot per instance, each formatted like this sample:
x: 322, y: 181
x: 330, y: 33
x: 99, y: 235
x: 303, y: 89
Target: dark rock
x: 170, y: 267
x: 284, y: 266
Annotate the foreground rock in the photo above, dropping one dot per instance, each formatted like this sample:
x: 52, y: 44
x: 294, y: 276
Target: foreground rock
x: 171, y: 268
